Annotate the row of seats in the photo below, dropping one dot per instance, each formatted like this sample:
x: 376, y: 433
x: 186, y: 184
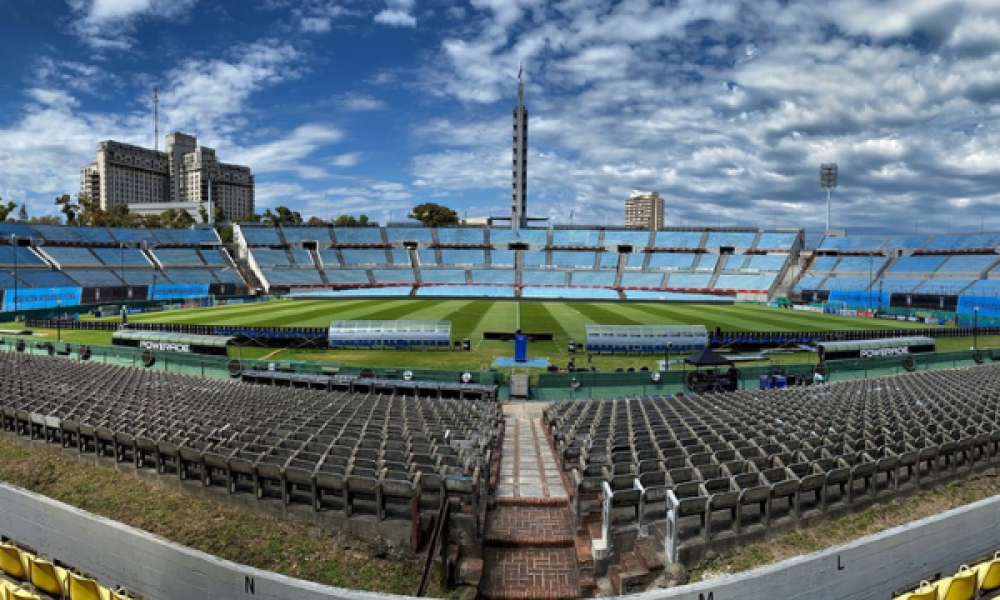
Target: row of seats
x: 567, y: 238
x: 981, y: 580
x: 28, y: 575
x: 731, y: 461
x: 357, y: 454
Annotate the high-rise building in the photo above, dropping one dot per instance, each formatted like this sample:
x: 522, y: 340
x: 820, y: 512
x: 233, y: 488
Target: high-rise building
x: 519, y: 205
x: 150, y: 181
x: 644, y: 210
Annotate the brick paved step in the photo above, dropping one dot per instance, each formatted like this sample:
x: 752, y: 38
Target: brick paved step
x: 530, y: 574
x: 529, y: 525
x: 554, y: 501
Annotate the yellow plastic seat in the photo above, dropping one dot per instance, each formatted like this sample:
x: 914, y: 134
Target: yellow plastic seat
x: 84, y: 588
x: 988, y: 575
x: 22, y: 594
x: 47, y: 577
x: 960, y: 586
x: 13, y: 562
x: 926, y: 591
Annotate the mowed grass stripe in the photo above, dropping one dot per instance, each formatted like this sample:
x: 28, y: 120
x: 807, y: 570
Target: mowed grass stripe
x: 502, y: 316
x: 536, y: 318
x: 466, y: 318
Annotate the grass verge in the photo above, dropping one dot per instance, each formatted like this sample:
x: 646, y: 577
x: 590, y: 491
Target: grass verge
x: 240, y: 535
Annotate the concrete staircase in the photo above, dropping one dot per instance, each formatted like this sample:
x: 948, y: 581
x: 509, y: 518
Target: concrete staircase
x: 531, y: 550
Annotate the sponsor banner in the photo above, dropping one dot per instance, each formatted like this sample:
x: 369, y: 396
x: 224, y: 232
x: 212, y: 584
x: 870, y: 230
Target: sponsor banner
x: 988, y: 307
x: 876, y: 352
x: 861, y: 299
x: 42, y: 298
x: 168, y: 346
x: 807, y: 308
x: 165, y: 291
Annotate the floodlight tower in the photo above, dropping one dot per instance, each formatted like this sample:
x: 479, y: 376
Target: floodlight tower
x: 828, y: 181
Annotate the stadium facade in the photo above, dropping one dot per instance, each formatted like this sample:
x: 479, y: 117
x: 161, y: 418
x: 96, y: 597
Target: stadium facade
x: 185, y: 176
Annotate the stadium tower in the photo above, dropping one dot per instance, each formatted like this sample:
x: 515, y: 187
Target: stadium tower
x: 519, y: 206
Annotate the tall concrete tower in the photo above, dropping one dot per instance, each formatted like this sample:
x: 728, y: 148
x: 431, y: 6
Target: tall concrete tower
x: 519, y: 206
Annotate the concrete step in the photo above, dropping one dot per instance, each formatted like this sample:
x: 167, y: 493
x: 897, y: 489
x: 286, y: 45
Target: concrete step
x: 530, y: 574
x: 529, y: 525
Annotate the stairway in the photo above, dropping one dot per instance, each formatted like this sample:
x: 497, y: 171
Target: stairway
x: 530, y: 549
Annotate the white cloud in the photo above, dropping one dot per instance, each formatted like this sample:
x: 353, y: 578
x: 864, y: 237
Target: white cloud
x: 396, y: 18
x: 315, y: 24
x: 397, y: 14
x: 351, y: 159
x: 356, y: 102
x: 108, y: 24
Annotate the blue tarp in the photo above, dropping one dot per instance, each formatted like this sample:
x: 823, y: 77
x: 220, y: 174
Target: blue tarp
x: 861, y: 299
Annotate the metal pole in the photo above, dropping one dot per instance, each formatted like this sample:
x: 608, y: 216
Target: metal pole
x: 58, y: 320
x: 13, y: 245
x: 975, y: 328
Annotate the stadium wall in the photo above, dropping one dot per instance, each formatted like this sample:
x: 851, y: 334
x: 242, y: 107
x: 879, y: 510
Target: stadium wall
x: 869, y: 568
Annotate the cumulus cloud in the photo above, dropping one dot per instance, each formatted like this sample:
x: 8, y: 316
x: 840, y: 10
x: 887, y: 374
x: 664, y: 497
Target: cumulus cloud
x: 108, y: 24
x: 397, y: 14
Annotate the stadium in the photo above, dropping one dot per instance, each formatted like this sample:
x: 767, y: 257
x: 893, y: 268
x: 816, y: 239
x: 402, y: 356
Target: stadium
x: 557, y: 412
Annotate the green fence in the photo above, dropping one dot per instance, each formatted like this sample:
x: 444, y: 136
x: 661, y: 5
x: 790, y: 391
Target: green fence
x: 218, y: 366
x: 567, y: 386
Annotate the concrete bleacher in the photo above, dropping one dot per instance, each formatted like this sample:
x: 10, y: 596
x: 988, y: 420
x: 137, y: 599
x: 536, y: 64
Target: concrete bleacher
x: 262, y: 236
x: 356, y: 454
x: 130, y: 257
x: 297, y: 235
x: 451, y: 256
x: 545, y: 257
x: 467, y: 291
x: 688, y: 240
x: 347, y: 276
x: 352, y: 236
x: 671, y: 260
x: 639, y: 240
x: 569, y: 293
x: 753, y: 463
x: 592, y: 278
x: 179, y: 257
x: 446, y: 276
x: 461, y: 236
x: 582, y: 238
x: 492, y: 276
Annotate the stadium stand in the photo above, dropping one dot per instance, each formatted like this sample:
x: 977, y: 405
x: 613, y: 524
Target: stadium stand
x: 358, y: 236
x: 466, y: 291
x: 684, y: 240
x: 261, y: 236
x: 297, y: 235
x: 492, y: 277
x: 575, y: 238
x: 569, y: 293
x: 724, y: 466
x: 408, y: 234
x: 639, y: 240
x: 461, y: 236
x: 390, y: 457
x: 500, y: 238
x: 445, y: 276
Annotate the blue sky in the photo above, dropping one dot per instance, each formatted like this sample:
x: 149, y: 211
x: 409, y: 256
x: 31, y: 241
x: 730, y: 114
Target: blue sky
x: 725, y: 108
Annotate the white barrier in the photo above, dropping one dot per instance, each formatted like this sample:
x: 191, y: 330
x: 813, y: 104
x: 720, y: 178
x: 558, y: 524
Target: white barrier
x: 868, y: 568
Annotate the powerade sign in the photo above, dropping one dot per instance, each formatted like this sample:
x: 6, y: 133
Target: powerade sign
x: 42, y: 298
x: 165, y: 291
x: 168, y: 346
x: 877, y: 352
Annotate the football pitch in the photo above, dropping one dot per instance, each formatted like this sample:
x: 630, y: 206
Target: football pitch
x: 471, y: 318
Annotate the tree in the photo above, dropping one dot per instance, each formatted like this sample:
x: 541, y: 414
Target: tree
x: 433, y: 215
x: 46, y: 220
x: 350, y: 221
x: 90, y: 212
x: 121, y: 216
x: 6, y: 209
x: 68, y: 208
x: 282, y: 215
x: 22, y: 215
x: 175, y: 218
x: 316, y: 222
x: 226, y: 233
x: 203, y: 213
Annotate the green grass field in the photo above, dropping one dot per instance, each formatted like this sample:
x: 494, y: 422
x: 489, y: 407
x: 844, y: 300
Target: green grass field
x: 470, y: 318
